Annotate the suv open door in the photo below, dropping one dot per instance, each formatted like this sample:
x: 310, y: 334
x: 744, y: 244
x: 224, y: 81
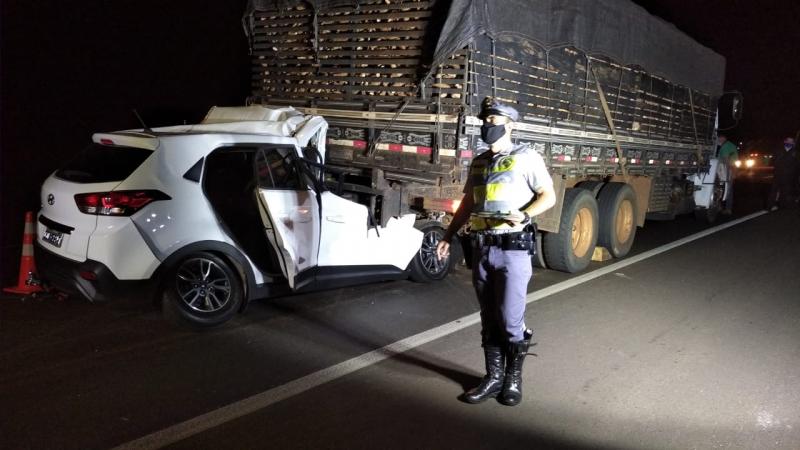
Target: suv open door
x: 321, y: 237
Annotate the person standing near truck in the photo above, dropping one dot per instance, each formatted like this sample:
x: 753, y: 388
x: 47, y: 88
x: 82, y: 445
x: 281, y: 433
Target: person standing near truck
x: 786, y: 168
x: 507, y: 186
x: 728, y: 153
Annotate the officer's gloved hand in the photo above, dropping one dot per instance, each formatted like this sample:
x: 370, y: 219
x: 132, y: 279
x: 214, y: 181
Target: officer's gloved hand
x: 442, y: 249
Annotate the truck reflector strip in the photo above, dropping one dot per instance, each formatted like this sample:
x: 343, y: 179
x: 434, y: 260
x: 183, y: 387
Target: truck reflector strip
x: 399, y: 148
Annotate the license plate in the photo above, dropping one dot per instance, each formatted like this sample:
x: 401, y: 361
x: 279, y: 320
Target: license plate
x: 53, y: 237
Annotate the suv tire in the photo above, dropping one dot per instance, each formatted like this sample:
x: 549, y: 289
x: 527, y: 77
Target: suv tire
x: 201, y: 291
x: 425, y: 266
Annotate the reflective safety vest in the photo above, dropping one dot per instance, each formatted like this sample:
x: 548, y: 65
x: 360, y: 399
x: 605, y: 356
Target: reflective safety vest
x: 501, y: 184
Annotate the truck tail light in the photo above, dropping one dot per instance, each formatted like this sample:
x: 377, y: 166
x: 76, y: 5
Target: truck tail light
x: 441, y: 204
x: 117, y: 203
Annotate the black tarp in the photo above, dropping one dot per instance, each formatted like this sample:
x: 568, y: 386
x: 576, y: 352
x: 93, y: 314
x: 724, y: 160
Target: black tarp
x: 618, y: 29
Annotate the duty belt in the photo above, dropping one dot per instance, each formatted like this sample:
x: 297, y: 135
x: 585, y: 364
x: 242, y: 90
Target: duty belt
x: 522, y: 240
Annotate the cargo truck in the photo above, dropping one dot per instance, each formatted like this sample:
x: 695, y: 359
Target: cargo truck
x: 621, y: 104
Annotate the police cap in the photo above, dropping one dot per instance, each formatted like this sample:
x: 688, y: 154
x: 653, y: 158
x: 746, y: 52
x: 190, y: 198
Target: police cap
x: 491, y: 106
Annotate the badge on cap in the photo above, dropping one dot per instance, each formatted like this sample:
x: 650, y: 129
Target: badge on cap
x: 491, y: 106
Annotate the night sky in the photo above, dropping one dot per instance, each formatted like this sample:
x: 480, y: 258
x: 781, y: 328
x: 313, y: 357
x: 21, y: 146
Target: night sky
x: 761, y: 42
x: 73, y: 68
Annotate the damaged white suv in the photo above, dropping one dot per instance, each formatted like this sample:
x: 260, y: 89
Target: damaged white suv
x: 213, y: 215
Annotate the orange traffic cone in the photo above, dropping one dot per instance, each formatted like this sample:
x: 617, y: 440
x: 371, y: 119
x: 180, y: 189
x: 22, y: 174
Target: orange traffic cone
x: 27, y: 282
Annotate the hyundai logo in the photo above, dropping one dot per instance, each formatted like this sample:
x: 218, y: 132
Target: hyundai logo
x: 51, y: 199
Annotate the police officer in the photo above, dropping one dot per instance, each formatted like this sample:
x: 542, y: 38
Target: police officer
x: 507, y: 186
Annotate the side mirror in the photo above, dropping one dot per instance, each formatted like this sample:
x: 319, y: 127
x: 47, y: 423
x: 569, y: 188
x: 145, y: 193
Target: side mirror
x: 736, y: 107
x: 731, y: 108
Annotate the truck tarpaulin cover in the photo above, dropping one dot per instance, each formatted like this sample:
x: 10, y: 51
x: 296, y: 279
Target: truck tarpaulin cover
x: 617, y: 29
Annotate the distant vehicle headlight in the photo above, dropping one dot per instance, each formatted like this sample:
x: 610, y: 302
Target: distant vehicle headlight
x: 737, y: 163
x: 749, y: 162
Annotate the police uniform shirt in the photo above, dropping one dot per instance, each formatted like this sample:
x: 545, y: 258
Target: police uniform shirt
x: 504, y: 182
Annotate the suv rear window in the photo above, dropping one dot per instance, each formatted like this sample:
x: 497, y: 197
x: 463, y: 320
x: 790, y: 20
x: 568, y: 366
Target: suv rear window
x: 102, y: 163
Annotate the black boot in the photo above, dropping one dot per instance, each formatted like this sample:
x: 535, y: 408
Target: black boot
x: 492, y: 383
x: 512, y: 387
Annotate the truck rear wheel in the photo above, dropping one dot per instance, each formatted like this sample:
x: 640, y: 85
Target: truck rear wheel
x: 570, y: 250
x: 592, y: 186
x: 426, y: 265
x: 616, y: 204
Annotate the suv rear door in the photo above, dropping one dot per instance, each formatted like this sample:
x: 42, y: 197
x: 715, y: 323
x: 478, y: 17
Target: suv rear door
x: 62, y: 228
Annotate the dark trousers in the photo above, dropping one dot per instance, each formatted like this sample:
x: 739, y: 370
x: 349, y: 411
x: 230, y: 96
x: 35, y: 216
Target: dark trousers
x: 500, y: 278
x: 729, y: 197
x: 783, y: 193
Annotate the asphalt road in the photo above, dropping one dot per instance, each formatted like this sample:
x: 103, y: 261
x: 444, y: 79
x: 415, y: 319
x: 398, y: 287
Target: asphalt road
x: 696, y: 347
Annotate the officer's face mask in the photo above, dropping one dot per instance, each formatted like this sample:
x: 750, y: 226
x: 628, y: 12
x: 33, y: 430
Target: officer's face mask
x: 786, y: 146
x: 492, y: 133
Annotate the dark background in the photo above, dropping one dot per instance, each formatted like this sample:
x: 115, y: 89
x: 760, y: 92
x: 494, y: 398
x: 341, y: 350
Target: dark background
x: 73, y: 68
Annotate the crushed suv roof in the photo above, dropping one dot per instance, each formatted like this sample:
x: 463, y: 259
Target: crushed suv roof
x: 255, y: 119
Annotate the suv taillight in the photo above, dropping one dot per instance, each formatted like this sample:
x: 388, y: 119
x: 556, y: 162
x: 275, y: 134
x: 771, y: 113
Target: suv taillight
x: 116, y: 203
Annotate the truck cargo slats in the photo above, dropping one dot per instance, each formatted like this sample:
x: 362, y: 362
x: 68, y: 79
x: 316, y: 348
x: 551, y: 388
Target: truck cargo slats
x: 386, y: 39
x: 377, y: 35
x: 395, y: 17
x: 262, y: 50
x: 377, y: 7
x: 401, y: 42
x: 563, y: 91
x: 283, y: 14
x: 638, y: 101
x: 292, y: 29
x: 300, y: 97
x: 297, y: 97
x: 304, y: 78
x: 364, y: 8
x: 333, y: 29
x: 344, y: 89
x: 363, y: 71
x: 404, y: 45
x: 413, y: 62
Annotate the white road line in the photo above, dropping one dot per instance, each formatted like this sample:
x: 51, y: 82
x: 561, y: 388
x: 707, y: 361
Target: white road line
x: 260, y: 401
x: 572, y: 282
